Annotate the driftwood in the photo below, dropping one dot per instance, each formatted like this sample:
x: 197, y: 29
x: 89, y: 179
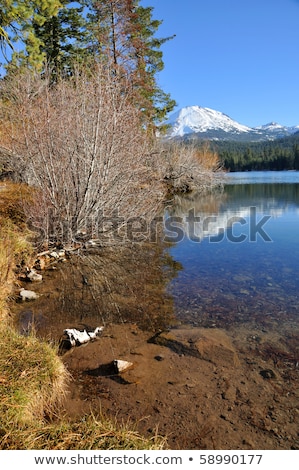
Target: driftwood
x: 77, y: 337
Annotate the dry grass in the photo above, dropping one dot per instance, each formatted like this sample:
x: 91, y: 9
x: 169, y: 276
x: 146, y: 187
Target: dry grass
x: 90, y: 433
x: 32, y: 379
x: 31, y: 376
x: 13, y: 198
x: 14, y: 237
x: 32, y: 386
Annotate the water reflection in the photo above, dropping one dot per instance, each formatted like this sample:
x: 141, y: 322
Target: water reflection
x: 206, y: 217
x: 110, y: 285
x: 240, y: 257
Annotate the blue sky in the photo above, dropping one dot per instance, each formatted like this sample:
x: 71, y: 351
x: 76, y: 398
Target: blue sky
x: 240, y: 57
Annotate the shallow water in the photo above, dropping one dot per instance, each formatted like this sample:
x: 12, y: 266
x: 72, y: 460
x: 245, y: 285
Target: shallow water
x: 232, y: 258
x: 239, y: 251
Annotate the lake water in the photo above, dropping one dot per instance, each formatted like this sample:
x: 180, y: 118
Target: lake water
x: 232, y: 258
x: 238, y: 250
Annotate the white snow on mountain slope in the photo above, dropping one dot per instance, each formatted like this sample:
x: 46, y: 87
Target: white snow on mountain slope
x: 275, y: 127
x: 271, y: 126
x: 215, y: 125
x: 197, y: 119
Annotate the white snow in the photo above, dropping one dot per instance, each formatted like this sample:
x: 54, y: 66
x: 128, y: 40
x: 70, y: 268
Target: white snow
x: 272, y: 126
x: 197, y: 119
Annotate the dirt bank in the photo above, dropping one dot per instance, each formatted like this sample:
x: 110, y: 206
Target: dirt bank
x: 201, y: 388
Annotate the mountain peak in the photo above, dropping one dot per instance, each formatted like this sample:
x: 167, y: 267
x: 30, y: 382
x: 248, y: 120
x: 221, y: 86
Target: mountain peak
x: 206, y: 123
x: 271, y: 125
x: 198, y: 119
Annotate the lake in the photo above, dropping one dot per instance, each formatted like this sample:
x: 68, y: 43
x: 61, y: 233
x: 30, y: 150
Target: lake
x: 238, y: 250
x: 230, y: 257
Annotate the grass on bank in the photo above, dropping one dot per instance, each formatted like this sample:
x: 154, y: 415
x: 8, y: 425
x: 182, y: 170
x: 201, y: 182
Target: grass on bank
x: 33, y: 383
x: 90, y: 433
x: 33, y: 380
x: 14, y: 237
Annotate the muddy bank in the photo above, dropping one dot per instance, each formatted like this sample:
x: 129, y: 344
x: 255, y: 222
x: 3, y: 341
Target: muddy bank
x: 202, y: 388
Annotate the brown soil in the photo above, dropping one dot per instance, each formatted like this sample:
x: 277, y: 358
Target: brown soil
x: 201, y: 388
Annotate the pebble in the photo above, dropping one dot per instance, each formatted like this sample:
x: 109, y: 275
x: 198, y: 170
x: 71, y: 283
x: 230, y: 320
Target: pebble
x: 159, y: 357
x: 33, y: 276
x: 28, y: 294
x: 267, y: 374
x: 122, y: 366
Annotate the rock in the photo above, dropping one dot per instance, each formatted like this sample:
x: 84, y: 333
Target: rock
x: 77, y: 337
x: 213, y: 345
x: 41, y: 263
x: 159, y: 357
x: 28, y: 294
x: 33, y: 276
x: 267, y: 374
x: 122, y: 366
x: 229, y: 394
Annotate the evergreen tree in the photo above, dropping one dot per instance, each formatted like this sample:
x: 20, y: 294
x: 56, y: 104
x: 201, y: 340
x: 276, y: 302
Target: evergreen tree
x: 61, y: 37
x: 119, y: 32
x: 296, y: 156
x: 123, y: 34
x: 16, y: 19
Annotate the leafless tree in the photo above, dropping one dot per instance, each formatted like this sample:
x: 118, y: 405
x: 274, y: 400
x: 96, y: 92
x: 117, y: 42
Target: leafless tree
x: 81, y: 145
x: 187, y: 167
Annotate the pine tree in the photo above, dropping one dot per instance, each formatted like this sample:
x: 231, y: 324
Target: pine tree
x: 119, y: 32
x: 296, y: 156
x: 61, y: 37
x: 123, y: 34
x: 16, y: 18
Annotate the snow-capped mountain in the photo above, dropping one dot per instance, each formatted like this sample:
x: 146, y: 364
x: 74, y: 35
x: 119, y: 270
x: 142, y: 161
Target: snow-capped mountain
x: 277, y: 129
x: 198, y: 122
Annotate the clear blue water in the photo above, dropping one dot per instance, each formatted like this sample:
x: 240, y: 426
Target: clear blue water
x: 239, y: 251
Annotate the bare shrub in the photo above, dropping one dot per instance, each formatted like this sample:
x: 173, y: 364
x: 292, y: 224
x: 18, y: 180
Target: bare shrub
x: 80, y: 142
x: 190, y: 168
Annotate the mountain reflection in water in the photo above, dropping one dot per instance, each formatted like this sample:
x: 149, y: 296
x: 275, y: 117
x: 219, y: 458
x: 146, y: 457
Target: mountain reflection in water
x: 240, y: 257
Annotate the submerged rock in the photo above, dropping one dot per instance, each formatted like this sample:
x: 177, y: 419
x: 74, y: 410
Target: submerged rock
x: 28, y: 294
x: 33, y: 276
x: 212, y: 345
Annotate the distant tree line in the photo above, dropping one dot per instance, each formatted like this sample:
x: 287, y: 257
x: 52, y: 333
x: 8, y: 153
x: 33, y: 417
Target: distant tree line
x: 280, y: 154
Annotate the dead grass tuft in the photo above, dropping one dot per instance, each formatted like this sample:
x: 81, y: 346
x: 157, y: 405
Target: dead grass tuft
x: 32, y: 379
x: 89, y: 433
